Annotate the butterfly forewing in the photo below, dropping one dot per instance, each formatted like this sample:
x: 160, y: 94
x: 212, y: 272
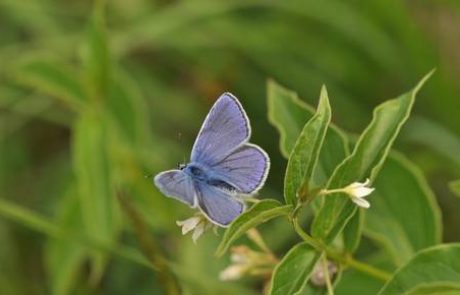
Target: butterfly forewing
x: 178, y: 185
x: 225, y: 128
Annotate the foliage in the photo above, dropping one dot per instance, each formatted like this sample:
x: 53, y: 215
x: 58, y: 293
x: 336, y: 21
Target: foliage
x: 96, y: 96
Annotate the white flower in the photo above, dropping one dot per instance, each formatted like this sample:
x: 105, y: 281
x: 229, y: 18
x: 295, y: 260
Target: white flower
x: 233, y: 272
x: 357, y: 191
x: 188, y: 224
x: 246, y: 261
x: 199, y: 230
x: 196, y: 223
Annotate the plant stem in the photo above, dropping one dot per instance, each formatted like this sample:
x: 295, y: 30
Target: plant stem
x: 330, y: 289
x: 38, y: 223
x: 368, y: 269
x: 306, y: 237
x: 252, y: 200
x: 150, y: 248
x: 256, y: 237
x: 330, y: 191
x: 339, y: 257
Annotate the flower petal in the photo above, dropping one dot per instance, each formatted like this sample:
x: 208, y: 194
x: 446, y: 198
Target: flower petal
x: 188, y: 224
x: 361, y: 202
x: 233, y: 272
x: 199, y: 230
x: 362, y: 191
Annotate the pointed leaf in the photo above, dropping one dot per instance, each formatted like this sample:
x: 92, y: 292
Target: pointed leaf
x: 64, y: 257
x: 434, y: 267
x: 438, y: 289
x: 259, y: 213
x: 129, y: 110
x: 304, y: 155
x: 366, y: 160
x: 52, y: 79
x: 96, y: 57
x: 455, y: 187
x: 289, y: 114
x: 401, y: 188
x: 292, y: 273
x: 353, y: 230
x: 92, y: 168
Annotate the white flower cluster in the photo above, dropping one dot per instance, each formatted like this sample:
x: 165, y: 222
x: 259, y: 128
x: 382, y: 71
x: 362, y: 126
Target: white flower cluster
x: 246, y: 261
x: 198, y: 224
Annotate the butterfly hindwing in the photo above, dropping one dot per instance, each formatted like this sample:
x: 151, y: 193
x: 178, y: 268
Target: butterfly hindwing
x: 220, y: 206
x: 246, y: 168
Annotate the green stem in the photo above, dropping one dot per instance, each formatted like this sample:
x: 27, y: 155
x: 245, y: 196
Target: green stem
x: 40, y: 224
x: 150, y: 248
x: 368, y: 269
x: 339, y: 257
x: 330, y: 289
x: 306, y: 237
x: 254, y: 235
x: 330, y: 191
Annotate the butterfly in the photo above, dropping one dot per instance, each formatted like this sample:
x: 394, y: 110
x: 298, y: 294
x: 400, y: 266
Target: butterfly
x: 224, y: 167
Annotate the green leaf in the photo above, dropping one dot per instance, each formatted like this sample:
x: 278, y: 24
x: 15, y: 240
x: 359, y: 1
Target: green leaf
x: 353, y: 230
x: 26, y: 218
x: 96, y: 57
x: 435, y: 267
x: 401, y: 188
x: 365, y: 162
x: 289, y: 114
x: 259, y: 213
x: 12, y: 274
x: 441, y: 289
x: 65, y: 257
x: 53, y: 79
x: 305, y: 153
x: 95, y: 188
x: 129, y: 110
x: 292, y: 273
x: 455, y: 187
x: 40, y: 224
x: 357, y: 282
x: 435, y: 136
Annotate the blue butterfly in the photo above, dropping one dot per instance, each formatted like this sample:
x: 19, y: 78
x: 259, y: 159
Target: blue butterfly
x: 224, y: 167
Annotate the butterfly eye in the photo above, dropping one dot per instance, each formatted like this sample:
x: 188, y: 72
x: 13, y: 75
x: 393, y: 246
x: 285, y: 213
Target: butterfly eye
x: 181, y: 166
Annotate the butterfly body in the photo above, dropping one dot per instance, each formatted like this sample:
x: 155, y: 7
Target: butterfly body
x: 202, y: 174
x: 224, y: 167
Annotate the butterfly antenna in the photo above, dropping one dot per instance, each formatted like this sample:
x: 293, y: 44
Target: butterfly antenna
x: 179, y: 138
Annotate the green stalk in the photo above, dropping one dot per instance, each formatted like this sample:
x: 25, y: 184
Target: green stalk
x: 40, y: 224
x: 339, y: 257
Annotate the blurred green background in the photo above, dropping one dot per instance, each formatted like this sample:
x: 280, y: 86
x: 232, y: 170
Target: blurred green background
x: 94, y: 96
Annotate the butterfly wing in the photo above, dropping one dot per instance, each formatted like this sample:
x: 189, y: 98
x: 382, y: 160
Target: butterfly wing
x: 178, y: 185
x: 220, y: 206
x: 225, y: 128
x: 246, y: 168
